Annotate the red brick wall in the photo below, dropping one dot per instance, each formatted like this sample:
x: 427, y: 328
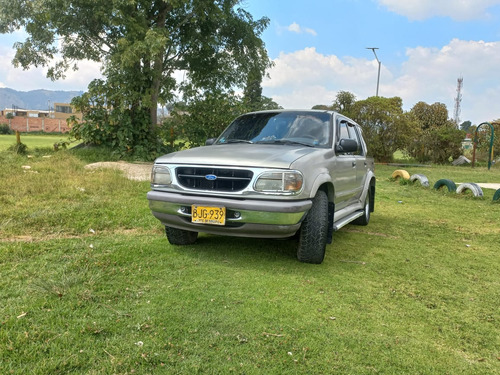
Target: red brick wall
x: 36, y: 124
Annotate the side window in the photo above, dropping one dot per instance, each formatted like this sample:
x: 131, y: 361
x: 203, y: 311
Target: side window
x: 343, y: 132
x: 354, y: 134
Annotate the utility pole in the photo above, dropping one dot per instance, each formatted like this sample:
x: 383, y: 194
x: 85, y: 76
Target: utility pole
x: 379, y: 63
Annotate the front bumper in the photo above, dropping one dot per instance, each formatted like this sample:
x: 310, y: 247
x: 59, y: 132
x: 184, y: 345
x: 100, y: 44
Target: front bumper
x: 244, y: 217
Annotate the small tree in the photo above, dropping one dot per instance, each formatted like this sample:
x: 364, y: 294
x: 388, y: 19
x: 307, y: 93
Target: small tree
x: 439, y: 139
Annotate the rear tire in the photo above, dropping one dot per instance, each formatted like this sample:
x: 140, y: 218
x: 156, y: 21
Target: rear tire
x: 314, y: 231
x: 180, y: 237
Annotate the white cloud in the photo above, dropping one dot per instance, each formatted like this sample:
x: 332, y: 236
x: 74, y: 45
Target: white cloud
x: 458, y: 10
x: 296, y: 28
x: 304, y: 78
x: 36, y: 78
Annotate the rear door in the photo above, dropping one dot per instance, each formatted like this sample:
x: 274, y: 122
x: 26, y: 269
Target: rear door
x: 359, y: 156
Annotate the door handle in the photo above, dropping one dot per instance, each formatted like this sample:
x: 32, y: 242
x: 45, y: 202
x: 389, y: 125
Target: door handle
x: 353, y: 163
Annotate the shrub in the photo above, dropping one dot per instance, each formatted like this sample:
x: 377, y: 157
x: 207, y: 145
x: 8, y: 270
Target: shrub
x: 4, y: 129
x: 19, y: 148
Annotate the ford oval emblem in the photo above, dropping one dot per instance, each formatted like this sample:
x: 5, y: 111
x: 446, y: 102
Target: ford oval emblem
x: 211, y: 177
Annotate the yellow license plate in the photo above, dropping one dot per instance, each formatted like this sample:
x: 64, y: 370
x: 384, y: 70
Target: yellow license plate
x: 208, y: 215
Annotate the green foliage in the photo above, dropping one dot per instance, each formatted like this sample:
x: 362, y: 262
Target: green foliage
x: 9, y: 116
x: 321, y: 107
x: 438, y: 140
x: 430, y: 115
x: 140, y: 44
x: 344, y: 103
x: 5, y: 129
x: 110, y: 120
x: 484, y: 139
x: 268, y: 104
x: 204, y: 117
x: 386, y: 128
x: 19, y: 148
x: 465, y: 126
x: 252, y: 94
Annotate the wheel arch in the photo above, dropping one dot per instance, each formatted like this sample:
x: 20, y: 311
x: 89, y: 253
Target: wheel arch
x: 324, y: 183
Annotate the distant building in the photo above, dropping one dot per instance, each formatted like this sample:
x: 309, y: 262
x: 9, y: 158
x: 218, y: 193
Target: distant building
x: 61, y: 111
x: 20, y: 112
x: 64, y: 110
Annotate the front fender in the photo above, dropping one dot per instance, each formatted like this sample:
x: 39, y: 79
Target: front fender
x: 321, y: 179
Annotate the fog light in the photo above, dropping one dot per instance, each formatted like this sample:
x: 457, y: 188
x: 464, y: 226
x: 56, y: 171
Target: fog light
x: 236, y: 215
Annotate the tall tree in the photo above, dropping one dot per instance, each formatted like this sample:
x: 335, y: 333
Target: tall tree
x: 344, y: 102
x: 465, y: 126
x: 430, y: 115
x: 386, y: 127
x: 141, y: 44
x: 252, y: 95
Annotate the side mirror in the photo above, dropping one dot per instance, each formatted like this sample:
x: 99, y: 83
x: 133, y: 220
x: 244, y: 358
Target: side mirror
x: 346, y: 145
x: 210, y: 141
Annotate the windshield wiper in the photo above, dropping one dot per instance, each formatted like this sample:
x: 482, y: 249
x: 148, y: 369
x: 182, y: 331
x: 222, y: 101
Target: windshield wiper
x: 286, y: 142
x: 238, y: 141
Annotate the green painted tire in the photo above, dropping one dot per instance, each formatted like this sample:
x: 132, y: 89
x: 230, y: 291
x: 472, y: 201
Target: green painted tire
x: 445, y: 182
x: 496, y: 196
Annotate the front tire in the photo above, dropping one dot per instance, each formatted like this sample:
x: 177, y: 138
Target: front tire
x: 314, y: 231
x: 180, y: 237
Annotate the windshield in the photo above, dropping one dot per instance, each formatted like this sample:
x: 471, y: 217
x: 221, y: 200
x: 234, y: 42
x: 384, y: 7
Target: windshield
x: 291, y: 127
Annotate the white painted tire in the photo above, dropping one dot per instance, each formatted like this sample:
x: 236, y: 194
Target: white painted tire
x: 475, y: 189
x: 420, y: 178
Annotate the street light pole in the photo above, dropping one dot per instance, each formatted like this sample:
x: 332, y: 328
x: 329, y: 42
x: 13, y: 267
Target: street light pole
x: 379, y: 63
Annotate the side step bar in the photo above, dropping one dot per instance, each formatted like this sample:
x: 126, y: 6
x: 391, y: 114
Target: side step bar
x: 346, y: 220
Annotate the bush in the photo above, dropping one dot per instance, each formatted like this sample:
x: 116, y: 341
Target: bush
x: 19, y: 148
x: 437, y: 144
x: 4, y: 129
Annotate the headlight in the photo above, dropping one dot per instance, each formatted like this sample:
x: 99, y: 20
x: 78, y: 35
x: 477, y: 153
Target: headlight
x: 160, y: 176
x: 279, y: 182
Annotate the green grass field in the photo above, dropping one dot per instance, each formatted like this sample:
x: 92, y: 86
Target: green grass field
x: 32, y: 141
x: 89, y: 284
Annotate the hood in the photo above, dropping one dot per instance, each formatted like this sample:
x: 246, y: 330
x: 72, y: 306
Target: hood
x: 240, y: 155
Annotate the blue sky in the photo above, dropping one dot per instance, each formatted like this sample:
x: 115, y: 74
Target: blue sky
x: 319, y: 48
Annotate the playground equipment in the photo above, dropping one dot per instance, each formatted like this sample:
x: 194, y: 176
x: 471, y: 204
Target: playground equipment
x: 490, y: 153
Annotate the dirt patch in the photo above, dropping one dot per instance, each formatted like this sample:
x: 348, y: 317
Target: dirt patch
x: 133, y: 171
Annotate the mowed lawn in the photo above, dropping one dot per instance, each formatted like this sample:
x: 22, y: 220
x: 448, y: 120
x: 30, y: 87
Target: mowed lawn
x: 33, y: 140
x: 89, y: 283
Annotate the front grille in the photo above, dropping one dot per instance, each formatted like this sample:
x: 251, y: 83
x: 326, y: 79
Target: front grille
x: 226, y: 179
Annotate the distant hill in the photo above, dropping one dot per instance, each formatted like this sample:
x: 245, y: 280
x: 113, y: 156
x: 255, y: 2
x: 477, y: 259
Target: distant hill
x: 35, y: 99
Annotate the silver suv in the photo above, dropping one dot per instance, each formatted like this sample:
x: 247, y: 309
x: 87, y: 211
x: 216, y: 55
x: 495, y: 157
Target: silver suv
x: 270, y: 174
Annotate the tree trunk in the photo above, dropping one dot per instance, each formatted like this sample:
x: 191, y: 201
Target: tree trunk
x: 157, y: 70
